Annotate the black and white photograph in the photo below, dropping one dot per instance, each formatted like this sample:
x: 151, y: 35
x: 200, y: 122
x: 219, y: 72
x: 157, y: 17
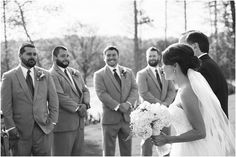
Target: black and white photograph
x: 117, y: 77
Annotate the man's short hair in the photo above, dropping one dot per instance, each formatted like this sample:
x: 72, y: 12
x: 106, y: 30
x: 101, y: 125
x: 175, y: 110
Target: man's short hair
x: 153, y: 49
x: 110, y: 48
x: 56, y: 50
x: 200, y: 38
x: 22, y: 48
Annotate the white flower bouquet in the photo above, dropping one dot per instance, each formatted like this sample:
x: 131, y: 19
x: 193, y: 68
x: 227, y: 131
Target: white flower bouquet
x: 149, y: 119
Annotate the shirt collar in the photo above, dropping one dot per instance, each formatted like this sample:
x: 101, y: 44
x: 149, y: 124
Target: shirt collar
x: 62, y: 69
x: 25, y: 70
x: 112, y: 68
x: 153, y: 69
x: 202, y: 55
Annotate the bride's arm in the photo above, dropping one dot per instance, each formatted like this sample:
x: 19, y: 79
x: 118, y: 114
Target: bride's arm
x: 190, y: 105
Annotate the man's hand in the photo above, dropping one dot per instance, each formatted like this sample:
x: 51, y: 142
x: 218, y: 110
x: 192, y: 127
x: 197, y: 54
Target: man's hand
x: 14, y: 134
x: 13, y: 138
x: 124, y: 107
x: 82, y: 111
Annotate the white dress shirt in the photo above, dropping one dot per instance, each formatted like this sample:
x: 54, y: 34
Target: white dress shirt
x: 202, y: 55
x: 117, y: 69
x: 25, y: 70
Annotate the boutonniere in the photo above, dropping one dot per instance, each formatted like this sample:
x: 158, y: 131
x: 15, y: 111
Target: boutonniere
x: 40, y: 75
x: 123, y: 73
x: 74, y: 73
x: 161, y: 71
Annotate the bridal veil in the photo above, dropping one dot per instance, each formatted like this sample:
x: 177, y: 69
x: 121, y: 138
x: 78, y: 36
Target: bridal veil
x: 218, y: 130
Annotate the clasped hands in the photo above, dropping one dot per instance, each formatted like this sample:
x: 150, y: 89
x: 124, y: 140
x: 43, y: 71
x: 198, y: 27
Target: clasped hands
x: 13, y: 137
x: 82, y: 111
x: 124, y: 107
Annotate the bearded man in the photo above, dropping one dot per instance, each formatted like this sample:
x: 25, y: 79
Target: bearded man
x: 29, y: 105
x: 153, y: 88
x: 74, y: 99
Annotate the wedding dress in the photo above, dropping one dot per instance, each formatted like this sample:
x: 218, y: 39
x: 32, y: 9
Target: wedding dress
x: 219, y: 139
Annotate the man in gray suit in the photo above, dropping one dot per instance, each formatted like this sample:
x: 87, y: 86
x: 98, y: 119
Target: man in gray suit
x: 116, y: 88
x: 153, y: 88
x: 29, y: 104
x: 74, y: 99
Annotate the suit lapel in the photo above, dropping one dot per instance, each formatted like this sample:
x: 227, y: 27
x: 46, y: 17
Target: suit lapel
x: 149, y: 71
x: 76, y: 82
x: 110, y: 74
x: 23, y: 84
x: 122, y: 80
x: 65, y: 77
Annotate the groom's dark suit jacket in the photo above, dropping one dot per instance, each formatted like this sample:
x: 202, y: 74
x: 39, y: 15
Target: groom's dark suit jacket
x: 214, y: 76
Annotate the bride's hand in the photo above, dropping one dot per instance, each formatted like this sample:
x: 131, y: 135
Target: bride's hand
x: 159, y: 140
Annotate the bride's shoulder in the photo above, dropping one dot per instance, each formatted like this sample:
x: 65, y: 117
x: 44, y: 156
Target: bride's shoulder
x: 187, y: 95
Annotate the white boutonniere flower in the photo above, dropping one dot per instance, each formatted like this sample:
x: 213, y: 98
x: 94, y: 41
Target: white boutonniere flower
x: 40, y: 75
x: 123, y: 73
x: 74, y: 73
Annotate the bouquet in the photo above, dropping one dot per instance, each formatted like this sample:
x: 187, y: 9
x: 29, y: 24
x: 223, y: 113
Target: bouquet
x: 149, y: 119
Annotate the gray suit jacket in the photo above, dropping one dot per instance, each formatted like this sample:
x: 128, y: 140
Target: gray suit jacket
x: 149, y: 88
x: 69, y: 98
x: 111, y: 94
x: 20, y: 110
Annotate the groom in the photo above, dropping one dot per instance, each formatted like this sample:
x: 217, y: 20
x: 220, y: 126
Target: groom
x: 209, y: 68
x: 116, y: 88
x: 29, y: 105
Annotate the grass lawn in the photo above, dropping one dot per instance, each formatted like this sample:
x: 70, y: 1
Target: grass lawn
x: 93, y: 133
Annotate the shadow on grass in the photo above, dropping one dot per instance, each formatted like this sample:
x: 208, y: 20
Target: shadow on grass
x: 92, y: 149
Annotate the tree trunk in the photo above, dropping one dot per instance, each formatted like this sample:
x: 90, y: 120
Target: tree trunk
x: 232, y: 6
x: 185, y: 15
x: 5, y: 36
x: 165, y: 23
x: 24, y: 26
x: 136, y: 47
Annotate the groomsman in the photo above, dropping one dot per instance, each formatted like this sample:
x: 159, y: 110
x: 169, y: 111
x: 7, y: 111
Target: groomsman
x: 116, y: 88
x: 153, y: 88
x: 74, y: 99
x: 29, y: 105
x: 209, y: 68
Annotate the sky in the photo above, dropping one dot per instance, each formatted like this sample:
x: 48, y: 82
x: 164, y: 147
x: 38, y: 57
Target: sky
x: 112, y: 17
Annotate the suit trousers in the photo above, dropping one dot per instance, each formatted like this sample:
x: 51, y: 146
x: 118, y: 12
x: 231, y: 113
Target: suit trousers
x: 38, y: 145
x: 110, y: 133
x: 69, y: 143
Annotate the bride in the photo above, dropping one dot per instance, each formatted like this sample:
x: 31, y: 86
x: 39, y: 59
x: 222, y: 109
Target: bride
x: 201, y: 126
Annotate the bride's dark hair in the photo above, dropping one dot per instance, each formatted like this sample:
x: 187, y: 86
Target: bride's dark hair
x: 181, y: 54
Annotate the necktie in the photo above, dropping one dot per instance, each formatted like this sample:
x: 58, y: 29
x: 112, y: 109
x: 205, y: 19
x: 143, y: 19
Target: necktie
x: 65, y: 71
x: 117, y: 77
x: 29, y: 82
x: 158, y: 78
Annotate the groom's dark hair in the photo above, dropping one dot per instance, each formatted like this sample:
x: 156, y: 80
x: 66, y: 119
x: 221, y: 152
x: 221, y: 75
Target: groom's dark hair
x: 200, y: 38
x: 56, y: 50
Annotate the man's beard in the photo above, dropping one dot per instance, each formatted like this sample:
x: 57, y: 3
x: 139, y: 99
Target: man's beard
x: 61, y: 64
x: 29, y: 63
x: 153, y: 63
